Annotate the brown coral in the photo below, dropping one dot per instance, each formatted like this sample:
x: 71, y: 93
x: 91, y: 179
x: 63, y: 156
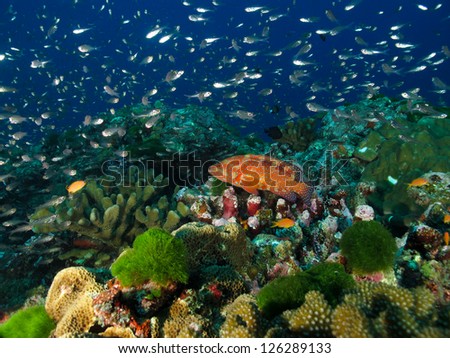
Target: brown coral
x: 210, y: 245
x: 69, y: 301
x: 298, y: 135
x: 182, y: 323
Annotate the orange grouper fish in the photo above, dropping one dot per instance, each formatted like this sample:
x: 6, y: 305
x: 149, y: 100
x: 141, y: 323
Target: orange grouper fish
x: 259, y: 172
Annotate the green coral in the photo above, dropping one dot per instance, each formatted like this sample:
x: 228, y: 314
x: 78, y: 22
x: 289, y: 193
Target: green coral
x: 111, y: 214
x: 31, y: 322
x: 368, y: 247
x: 289, y: 292
x: 156, y: 255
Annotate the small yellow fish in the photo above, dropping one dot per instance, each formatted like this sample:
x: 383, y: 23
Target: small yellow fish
x: 75, y: 186
x: 446, y: 218
x: 285, y: 223
x: 418, y: 182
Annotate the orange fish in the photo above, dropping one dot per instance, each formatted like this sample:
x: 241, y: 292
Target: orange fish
x: 446, y: 238
x: 446, y: 218
x: 418, y: 182
x: 259, y: 172
x: 75, y: 186
x: 285, y: 223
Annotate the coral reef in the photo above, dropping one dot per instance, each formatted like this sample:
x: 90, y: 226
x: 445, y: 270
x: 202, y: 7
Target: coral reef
x: 243, y: 319
x: 69, y: 301
x: 182, y: 323
x: 210, y: 245
x: 380, y: 310
x: 235, y: 264
x: 297, y: 135
x: 289, y: 292
x: 111, y: 214
x: 312, y: 318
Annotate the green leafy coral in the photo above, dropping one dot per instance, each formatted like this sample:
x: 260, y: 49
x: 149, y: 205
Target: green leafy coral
x: 368, y: 247
x: 289, y: 292
x: 31, y: 322
x: 156, y: 255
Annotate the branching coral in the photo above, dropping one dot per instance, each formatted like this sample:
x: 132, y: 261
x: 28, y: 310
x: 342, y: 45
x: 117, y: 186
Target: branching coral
x: 112, y: 214
x: 243, y: 319
x: 380, y: 310
x: 312, y: 319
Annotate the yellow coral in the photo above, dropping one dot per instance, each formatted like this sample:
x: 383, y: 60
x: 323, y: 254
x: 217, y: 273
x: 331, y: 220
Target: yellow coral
x: 69, y: 301
x: 349, y: 322
x: 312, y: 318
x: 389, y: 311
x: 182, y: 323
x: 118, y: 332
x: 243, y: 319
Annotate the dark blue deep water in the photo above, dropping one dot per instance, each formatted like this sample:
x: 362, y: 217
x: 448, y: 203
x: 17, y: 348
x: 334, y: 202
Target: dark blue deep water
x: 337, y: 71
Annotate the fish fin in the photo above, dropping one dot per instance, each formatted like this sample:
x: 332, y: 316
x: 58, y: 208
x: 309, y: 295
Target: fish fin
x: 290, y: 196
x: 305, y: 191
x: 250, y: 190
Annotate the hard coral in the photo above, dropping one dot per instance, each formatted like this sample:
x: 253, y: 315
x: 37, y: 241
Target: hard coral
x: 243, y: 319
x: 69, y: 301
x: 211, y: 245
x: 183, y: 323
x: 112, y: 214
x: 312, y: 319
x: 289, y: 292
x: 380, y: 310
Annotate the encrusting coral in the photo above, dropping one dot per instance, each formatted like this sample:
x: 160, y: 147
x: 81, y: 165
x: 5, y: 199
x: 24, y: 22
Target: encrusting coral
x: 69, y: 301
x: 211, y: 245
x: 182, y: 323
x: 112, y: 215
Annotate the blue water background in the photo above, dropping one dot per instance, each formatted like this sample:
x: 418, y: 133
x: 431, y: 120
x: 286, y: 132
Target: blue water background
x: 21, y: 22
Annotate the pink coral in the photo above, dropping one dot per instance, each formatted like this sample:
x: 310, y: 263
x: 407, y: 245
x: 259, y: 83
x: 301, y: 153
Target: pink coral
x: 364, y: 213
x: 230, y: 203
x: 253, y: 204
x: 253, y: 224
